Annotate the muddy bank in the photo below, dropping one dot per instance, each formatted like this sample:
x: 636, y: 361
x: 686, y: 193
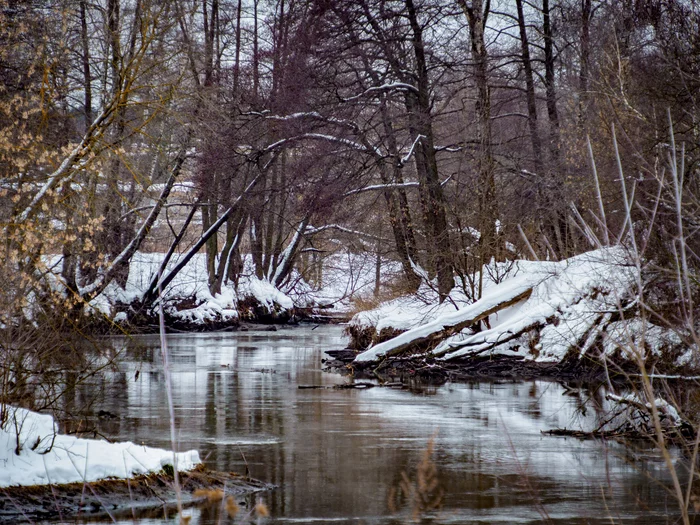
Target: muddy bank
x: 141, y: 323
x: 434, y: 371
x: 140, y: 496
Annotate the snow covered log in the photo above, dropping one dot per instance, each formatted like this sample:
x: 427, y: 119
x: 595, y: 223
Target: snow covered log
x: 547, y: 312
x: 508, y: 294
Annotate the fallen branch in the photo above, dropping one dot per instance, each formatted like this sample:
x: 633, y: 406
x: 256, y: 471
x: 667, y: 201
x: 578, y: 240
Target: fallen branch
x: 517, y: 290
x: 480, y: 345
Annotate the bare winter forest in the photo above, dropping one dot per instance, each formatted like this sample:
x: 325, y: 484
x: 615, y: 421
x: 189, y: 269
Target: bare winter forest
x: 463, y: 178
x: 435, y: 134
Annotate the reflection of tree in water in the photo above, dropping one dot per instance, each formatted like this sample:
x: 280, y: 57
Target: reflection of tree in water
x: 58, y: 372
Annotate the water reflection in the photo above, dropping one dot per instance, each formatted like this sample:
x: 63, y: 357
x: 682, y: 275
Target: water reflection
x: 334, y: 454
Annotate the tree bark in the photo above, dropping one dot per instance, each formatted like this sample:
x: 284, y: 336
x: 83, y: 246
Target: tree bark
x: 586, y: 13
x: 476, y: 15
x: 237, y: 60
x: 87, y: 76
x: 549, y: 82
x: 420, y: 115
x: 530, y: 92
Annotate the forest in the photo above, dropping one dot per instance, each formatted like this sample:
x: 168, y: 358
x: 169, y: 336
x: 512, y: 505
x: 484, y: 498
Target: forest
x: 463, y: 178
x: 439, y: 135
x: 438, y: 140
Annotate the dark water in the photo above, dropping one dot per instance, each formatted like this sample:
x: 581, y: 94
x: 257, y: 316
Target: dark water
x: 336, y: 454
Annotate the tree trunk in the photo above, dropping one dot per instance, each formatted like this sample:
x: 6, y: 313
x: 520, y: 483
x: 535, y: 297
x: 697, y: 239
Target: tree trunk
x: 256, y: 233
x: 289, y: 254
x: 237, y: 60
x: 586, y: 12
x: 426, y: 162
x: 151, y: 293
x: 87, y: 76
x: 549, y: 82
x: 486, y: 185
x: 530, y: 92
x: 397, y: 204
x: 233, y: 239
x: 256, y: 53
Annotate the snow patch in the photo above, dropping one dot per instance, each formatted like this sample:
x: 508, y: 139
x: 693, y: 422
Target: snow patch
x: 46, y: 457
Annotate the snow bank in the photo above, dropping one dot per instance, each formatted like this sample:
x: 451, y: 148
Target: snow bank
x: 573, y: 304
x: 405, y: 312
x: 48, y: 457
x: 500, y: 294
x: 191, y: 284
x: 570, y: 298
x: 344, y: 276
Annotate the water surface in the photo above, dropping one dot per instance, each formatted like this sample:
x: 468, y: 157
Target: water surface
x: 336, y: 454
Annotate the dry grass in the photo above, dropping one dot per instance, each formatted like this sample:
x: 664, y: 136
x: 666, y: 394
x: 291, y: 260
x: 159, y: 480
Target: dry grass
x: 211, y: 495
x: 422, y: 494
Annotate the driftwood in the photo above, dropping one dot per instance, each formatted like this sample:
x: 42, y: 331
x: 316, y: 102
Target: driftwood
x: 597, y: 434
x: 351, y: 386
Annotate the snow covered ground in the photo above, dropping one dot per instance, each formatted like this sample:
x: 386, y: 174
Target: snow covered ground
x: 46, y: 457
x: 542, y: 311
x: 344, y: 277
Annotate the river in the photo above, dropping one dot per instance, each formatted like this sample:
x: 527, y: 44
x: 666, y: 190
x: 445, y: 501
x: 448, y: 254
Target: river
x: 336, y: 454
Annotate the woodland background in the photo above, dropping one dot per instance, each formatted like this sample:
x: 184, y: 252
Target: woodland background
x: 437, y: 134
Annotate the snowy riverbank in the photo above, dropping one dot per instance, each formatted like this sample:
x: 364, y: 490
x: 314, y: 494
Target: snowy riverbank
x: 32, y: 452
x: 545, y: 312
x: 190, y: 305
x: 57, y: 476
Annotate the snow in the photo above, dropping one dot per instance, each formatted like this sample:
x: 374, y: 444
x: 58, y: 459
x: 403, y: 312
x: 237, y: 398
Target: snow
x: 501, y: 293
x: 405, y: 312
x: 639, y: 411
x: 47, y: 457
x: 571, y: 304
x: 191, y: 282
x: 576, y: 291
x: 265, y: 293
x: 345, y: 276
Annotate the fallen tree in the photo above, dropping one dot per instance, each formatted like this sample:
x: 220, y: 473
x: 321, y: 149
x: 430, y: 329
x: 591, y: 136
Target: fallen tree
x: 585, y: 307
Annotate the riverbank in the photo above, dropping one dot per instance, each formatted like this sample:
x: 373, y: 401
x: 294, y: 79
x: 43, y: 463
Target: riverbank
x: 111, y: 498
x: 45, y: 474
x: 582, y: 317
x: 189, y: 304
x: 429, y: 370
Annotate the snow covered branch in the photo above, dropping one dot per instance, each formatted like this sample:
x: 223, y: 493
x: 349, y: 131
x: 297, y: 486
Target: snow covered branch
x: 338, y: 227
x: 73, y: 161
x: 389, y: 186
x: 380, y: 187
x: 315, y: 115
x: 407, y: 157
x: 394, y: 86
x: 320, y: 136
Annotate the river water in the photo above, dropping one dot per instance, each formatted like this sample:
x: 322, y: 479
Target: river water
x: 335, y: 455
